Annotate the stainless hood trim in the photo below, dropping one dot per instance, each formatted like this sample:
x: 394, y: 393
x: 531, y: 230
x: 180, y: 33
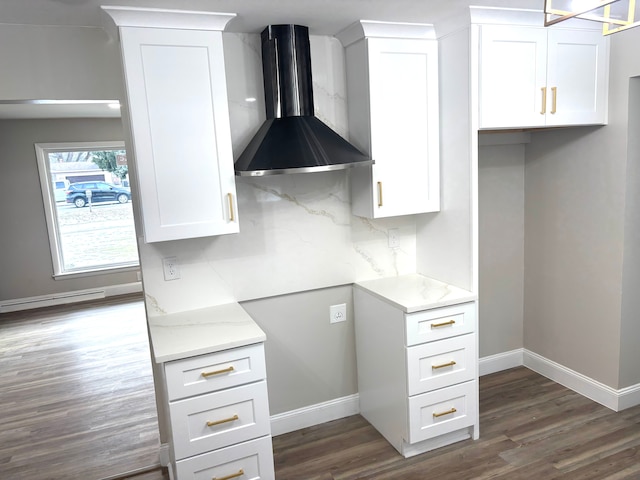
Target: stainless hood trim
x: 319, y: 168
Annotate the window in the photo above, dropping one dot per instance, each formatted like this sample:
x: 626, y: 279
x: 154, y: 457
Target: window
x: 85, y: 189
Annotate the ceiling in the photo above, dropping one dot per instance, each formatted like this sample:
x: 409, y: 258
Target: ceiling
x: 323, y: 17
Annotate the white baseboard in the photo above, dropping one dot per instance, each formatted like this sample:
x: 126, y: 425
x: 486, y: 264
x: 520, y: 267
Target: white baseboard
x: 616, y: 400
x: 501, y: 361
x: 164, y: 455
x: 68, y: 297
x: 314, y: 414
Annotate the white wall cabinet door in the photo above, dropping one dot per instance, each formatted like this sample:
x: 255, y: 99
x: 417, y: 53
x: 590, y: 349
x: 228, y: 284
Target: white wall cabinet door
x: 179, y: 118
x: 403, y: 77
x: 537, y: 77
x: 512, y: 73
x: 577, y: 69
x: 394, y: 117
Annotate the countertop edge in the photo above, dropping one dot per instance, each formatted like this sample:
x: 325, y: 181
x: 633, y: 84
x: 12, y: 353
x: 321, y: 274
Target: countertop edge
x: 181, y: 355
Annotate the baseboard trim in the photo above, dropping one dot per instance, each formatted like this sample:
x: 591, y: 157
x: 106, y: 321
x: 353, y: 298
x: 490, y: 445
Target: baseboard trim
x: 612, y: 398
x: 628, y: 397
x: 314, y: 414
x: 75, y: 296
x: 616, y: 400
x: 501, y: 361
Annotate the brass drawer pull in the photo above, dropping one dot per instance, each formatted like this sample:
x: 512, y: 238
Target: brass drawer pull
x: 218, y: 372
x: 448, y: 364
x: 544, y: 101
x: 226, y: 420
x: 442, y: 414
x: 379, y: 194
x: 443, y: 324
x: 232, y: 215
x: 554, y: 99
x: 229, y: 477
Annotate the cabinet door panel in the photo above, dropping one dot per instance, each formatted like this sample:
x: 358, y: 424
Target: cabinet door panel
x: 439, y: 364
x: 215, y: 420
x: 512, y: 74
x: 443, y: 411
x: 180, y: 127
x: 577, y: 63
x: 215, y: 371
x: 253, y: 458
x: 404, y: 126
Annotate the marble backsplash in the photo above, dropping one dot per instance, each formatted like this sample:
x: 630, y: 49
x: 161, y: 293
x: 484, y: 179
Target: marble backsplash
x: 297, y: 232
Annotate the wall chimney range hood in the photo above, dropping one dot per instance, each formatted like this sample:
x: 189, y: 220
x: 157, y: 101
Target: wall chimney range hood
x: 292, y: 139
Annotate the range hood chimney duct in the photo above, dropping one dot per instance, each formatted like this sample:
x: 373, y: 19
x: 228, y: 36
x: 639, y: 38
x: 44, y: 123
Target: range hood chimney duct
x: 292, y: 139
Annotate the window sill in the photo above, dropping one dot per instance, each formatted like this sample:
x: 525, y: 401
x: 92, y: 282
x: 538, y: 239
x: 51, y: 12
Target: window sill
x: 96, y: 272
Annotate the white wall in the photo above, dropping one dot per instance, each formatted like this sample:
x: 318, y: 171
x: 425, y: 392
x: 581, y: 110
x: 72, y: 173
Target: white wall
x: 501, y: 246
x: 46, y: 62
x: 25, y: 255
x: 576, y: 184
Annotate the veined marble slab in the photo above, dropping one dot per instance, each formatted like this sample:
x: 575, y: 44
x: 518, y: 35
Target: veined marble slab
x: 415, y: 292
x: 198, y: 332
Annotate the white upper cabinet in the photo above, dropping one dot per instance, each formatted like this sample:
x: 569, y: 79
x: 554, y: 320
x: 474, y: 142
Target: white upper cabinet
x: 392, y: 88
x: 179, y: 120
x: 536, y: 77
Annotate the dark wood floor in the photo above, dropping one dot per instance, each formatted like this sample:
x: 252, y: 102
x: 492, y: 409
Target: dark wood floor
x: 76, y: 402
x: 76, y: 392
x: 530, y: 428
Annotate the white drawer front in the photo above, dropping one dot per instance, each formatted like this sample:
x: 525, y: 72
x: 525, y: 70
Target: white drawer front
x: 214, y: 420
x: 440, y: 364
x: 442, y: 411
x: 254, y: 458
x: 440, y: 323
x: 215, y: 371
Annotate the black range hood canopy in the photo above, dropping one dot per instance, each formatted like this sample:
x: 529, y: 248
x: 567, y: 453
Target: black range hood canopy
x: 292, y: 139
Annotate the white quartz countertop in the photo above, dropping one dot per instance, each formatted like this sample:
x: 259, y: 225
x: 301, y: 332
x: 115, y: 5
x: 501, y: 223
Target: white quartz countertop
x: 414, y: 292
x: 197, y: 332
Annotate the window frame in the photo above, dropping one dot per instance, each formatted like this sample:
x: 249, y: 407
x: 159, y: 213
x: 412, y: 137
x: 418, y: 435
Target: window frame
x: 51, y: 214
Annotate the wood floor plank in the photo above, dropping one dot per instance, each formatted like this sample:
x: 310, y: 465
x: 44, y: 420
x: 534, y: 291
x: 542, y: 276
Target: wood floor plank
x: 76, y: 392
x: 530, y: 428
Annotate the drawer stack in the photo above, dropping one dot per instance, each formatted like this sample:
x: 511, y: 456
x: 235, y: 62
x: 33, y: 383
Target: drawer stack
x: 417, y: 372
x: 219, y: 415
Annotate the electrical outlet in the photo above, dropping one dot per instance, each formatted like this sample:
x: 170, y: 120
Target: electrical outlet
x: 338, y: 313
x: 393, y: 241
x: 171, y: 268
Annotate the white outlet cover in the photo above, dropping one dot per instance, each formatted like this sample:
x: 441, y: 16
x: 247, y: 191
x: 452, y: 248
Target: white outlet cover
x: 338, y: 313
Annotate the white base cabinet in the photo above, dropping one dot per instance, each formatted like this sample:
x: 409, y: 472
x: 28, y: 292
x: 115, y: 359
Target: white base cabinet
x: 417, y: 372
x: 392, y: 86
x: 542, y: 77
x: 219, y: 416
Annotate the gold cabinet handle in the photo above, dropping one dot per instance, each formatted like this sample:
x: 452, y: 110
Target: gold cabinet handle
x: 448, y: 364
x: 218, y: 372
x: 554, y: 99
x: 544, y: 101
x: 229, y: 477
x: 224, y: 420
x: 443, y: 324
x: 379, y: 194
x: 442, y: 414
x: 232, y: 215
